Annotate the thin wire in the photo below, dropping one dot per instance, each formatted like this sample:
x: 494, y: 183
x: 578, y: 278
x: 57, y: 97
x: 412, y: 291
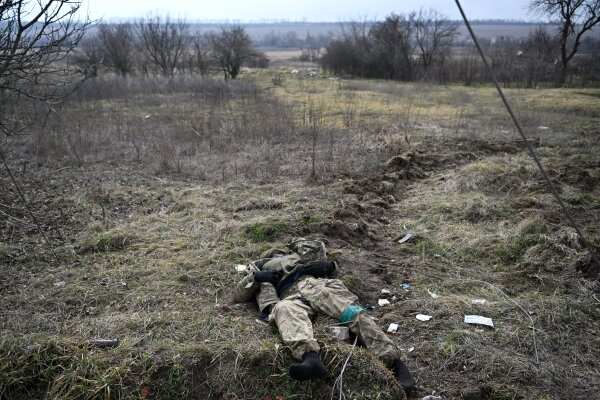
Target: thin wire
x: 25, y: 203
x: 339, y: 381
x: 526, y: 141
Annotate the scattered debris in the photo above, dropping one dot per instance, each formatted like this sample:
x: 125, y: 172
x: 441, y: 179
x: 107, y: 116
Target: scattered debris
x: 60, y: 283
x: 405, y: 239
x: 393, y: 328
x: 294, y: 71
x: 405, y: 286
x: 431, y: 397
x: 434, y: 295
x: 385, y: 291
x: 423, y: 317
x: 104, y: 343
x: 340, y: 332
x: 383, y: 302
x: 543, y: 128
x: 478, y: 301
x: 248, y: 285
x: 91, y: 310
x: 370, y: 307
x: 411, y: 349
x: 241, y: 268
x: 478, y: 320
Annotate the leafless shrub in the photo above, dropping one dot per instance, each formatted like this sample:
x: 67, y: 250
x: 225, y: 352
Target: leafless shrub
x: 232, y: 47
x: 163, y: 42
x: 118, y: 42
x: 35, y: 40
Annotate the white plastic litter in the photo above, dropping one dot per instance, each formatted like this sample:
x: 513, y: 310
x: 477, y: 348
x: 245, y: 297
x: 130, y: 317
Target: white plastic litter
x: 423, y: 317
x: 248, y: 285
x: 383, y: 302
x: 434, y: 295
x: 478, y: 301
x: 478, y: 320
x: 385, y: 291
x: 241, y: 268
x: 393, y: 328
x: 430, y: 397
x: 405, y: 239
x: 340, y: 332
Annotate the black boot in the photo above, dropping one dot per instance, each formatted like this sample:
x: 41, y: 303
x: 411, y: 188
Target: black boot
x: 311, y: 367
x: 403, y: 375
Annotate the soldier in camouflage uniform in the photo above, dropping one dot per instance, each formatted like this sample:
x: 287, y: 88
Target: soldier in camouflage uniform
x: 295, y: 283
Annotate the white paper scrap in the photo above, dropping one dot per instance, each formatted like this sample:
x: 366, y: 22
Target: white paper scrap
x: 241, y: 268
x: 423, y: 317
x: 248, y: 285
x: 478, y: 301
x: 434, y: 295
x: 385, y: 291
x: 411, y: 349
x: 478, y: 320
x: 340, y: 332
x: 393, y: 328
x: 383, y: 302
x: 405, y: 238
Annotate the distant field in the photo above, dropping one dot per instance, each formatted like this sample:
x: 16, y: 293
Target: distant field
x: 258, y: 31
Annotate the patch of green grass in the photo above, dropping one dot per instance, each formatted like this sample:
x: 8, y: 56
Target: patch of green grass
x: 267, y: 231
x: 585, y: 198
x: 512, y: 251
x: 4, y: 252
x: 471, y: 254
x: 351, y: 281
x: 173, y: 382
x: 56, y: 370
x: 498, y: 393
x: 451, y: 343
x: 104, y: 242
x: 311, y: 219
x: 429, y: 246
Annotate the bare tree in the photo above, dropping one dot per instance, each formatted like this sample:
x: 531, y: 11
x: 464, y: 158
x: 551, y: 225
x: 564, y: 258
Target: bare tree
x: 231, y: 49
x: 539, y: 50
x: 119, y: 46
x: 433, y: 34
x: 393, y: 47
x: 505, y: 58
x: 574, y: 17
x: 90, y: 54
x: 164, y: 42
x: 201, y: 57
x: 35, y: 39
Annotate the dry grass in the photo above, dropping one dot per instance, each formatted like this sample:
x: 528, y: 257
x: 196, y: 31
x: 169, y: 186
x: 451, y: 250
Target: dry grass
x: 145, y: 248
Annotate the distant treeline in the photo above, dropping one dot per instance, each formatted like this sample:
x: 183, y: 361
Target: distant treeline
x: 422, y: 45
x: 425, y: 46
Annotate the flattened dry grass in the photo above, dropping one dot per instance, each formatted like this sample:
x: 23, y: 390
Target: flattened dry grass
x: 156, y: 245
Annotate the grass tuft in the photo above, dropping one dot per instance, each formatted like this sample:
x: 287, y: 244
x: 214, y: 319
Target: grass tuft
x: 267, y: 231
x: 104, y: 242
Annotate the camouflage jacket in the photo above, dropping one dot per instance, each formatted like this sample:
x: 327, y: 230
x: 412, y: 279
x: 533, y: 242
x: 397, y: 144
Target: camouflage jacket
x: 297, y: 253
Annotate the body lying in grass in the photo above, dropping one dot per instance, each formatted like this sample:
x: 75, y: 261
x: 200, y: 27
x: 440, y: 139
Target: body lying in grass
x: 291, y: 285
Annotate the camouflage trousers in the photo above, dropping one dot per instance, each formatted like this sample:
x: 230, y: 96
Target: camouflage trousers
x: 293, y: 314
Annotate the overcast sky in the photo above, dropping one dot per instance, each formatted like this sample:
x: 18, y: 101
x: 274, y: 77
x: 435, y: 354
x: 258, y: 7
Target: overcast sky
x: 299, y: 10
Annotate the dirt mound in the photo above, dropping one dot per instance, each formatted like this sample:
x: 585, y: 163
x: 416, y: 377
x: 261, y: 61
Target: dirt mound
x: 559, y: 253
x: 578, y: 177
